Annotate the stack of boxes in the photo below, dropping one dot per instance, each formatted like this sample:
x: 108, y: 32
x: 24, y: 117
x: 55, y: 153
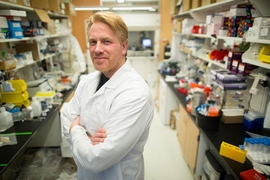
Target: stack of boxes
x: 260, y: 28
x: 13, y: 19
x: 240, y: 20
x: 236, y: 65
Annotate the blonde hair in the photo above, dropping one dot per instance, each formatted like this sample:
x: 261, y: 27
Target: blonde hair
x: 113, y: 20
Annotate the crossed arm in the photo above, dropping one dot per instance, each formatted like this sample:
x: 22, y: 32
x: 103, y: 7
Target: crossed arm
x: 96, y: 138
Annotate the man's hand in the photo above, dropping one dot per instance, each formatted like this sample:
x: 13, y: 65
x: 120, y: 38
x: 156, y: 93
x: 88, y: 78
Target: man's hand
x: 98, y: 137
x: 76, y: 122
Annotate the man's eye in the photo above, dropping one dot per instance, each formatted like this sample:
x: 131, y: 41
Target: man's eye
x: 107, y: 42
x: 92, y: 43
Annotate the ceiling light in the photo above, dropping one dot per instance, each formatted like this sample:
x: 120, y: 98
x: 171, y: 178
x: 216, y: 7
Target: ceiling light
x: 93, y: 8
x: 133, y: 8
x: 120, y: 1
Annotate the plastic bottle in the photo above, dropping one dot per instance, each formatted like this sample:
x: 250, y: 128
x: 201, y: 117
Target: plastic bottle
x: 36, y: 107
x: 30, y: 111
x: 6, y: 120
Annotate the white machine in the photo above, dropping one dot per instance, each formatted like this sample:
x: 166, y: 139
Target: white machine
x: 38, y: 85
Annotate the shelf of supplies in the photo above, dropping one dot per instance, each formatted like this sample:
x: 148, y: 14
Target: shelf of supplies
x: 47, y: 56
x: 247, y: 58
x: 261, y: 41
x: 218, y: 37
x: 201, y: 54
x: 221, y: 6
x: 7, y: 5
x: 230, y: 38
x: 186, y: 50
x: 33, y: 38
x: 201, y: 35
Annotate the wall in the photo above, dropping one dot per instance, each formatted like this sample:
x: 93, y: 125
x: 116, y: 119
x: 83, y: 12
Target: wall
x: 166, y: 26
x: 78, y: 26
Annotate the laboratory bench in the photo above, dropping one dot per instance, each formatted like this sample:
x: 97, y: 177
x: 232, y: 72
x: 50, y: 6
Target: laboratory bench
x: 230, y: 133
x: 11, y: 155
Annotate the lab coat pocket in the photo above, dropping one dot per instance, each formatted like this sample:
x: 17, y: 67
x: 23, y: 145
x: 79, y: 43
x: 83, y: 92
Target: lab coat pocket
x: 131, y: 168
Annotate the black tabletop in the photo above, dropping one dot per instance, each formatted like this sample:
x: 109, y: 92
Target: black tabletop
x: 9, y: 153
x: 230, y: 133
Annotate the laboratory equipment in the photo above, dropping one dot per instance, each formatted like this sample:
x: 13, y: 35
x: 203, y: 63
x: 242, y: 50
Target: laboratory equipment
x: 37, y: 85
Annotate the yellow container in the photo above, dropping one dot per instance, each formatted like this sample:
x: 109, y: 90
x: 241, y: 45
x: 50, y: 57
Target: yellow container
x: 232, y: 152
x: 17, y: 98
x: 264, y: 54
x: 45, y: 94
x: 19, y: 85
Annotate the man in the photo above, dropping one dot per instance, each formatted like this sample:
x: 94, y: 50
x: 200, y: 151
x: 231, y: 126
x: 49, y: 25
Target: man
x: 107, y: 121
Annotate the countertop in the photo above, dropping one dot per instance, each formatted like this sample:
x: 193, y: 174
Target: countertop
x: 11, y: 152
x: 230, y: 133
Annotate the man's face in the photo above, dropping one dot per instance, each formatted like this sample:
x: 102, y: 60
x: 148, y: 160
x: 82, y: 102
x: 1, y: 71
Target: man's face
x: 106, y: 51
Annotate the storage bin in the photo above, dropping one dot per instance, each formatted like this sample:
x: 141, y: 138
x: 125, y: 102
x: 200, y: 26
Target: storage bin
x: 207, y: 122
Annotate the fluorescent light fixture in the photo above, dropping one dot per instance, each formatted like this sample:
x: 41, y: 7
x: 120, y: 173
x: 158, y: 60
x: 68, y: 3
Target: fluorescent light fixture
x: 133, y: 8
x: 120, y: 1
x: 93, y: 8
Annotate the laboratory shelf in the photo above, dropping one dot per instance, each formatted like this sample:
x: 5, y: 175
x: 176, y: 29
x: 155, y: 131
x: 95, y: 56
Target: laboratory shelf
x: 33, y: 38
x: 47, y: 56
x: 202, y: 54
x: 247, y: 58
x: 199, y: 13
x: 201, y: 35
x: 8, y: 5
x: 261, y: 41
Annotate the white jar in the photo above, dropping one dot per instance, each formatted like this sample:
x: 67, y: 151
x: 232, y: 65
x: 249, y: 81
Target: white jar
x: 36, y: 105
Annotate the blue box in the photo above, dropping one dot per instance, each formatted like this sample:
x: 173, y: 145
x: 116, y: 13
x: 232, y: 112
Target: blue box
x: 14, y: 25
x: 253, y: 120
x: 16, y: 34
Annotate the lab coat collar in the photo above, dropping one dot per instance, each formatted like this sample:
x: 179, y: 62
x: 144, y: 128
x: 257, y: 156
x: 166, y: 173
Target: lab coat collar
x: 116, y: 78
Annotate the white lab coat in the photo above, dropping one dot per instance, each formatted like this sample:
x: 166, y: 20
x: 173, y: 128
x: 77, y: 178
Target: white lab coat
x: 124, y: 107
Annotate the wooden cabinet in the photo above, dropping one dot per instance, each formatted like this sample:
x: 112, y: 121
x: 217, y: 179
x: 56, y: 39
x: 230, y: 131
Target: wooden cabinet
x: 188, y: 136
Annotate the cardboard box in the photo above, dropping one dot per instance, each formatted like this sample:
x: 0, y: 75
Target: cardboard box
x: 50, y: 26
x: 8, y: 64
x: 25, y: 47
x: 207, y: 2
x: 40, y: 15
x: 186, y: 5
x: 54, y: 5
x: 70, y: 9
x: 196, y: 4
x: 41, y: 4
x: 24, y: 2
x: 20, y: 2
x: 173, y: 7
x: 178, y: 26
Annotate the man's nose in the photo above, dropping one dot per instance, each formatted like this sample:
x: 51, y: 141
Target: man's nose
x: 99, y: 48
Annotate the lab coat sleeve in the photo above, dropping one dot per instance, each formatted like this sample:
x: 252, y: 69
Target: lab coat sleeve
x: 128, y: 120
x: 71, y: 111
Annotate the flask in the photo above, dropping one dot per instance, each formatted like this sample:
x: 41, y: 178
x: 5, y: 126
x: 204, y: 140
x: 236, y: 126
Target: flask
x: 6, y: 120
x: 36, y: 107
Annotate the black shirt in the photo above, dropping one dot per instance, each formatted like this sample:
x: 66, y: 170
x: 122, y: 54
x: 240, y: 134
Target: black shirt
x: 103, y: 80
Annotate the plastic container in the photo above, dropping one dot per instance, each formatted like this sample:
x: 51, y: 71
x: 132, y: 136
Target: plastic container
x: 6, y: 120
x: 37, y: 109
x: 208, y: 122
x: 253, y: 120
